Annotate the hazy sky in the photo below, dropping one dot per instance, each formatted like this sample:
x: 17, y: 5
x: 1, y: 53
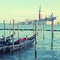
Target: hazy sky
x: 27, y: 9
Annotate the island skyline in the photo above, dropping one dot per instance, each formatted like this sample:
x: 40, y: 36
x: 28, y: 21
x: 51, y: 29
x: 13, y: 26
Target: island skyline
x: 27, y: 9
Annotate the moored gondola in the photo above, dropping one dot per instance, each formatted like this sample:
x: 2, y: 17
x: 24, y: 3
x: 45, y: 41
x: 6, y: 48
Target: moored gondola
x: 20, y: 43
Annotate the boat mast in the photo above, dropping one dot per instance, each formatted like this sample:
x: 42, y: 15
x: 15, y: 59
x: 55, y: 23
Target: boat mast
x: 36, y: 32
x: 4, y: 32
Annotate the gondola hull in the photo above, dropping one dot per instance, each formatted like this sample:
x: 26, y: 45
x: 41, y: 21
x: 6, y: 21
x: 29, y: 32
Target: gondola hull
x: 20, y: 45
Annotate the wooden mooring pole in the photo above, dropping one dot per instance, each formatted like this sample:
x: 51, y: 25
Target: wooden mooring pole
x: 36, y: 32
x: 18, y: 29
x: 43, y: 30
x: 10, y: 29
x: 13, y: 34
x: 4, y: 32
x: 33, y: 27
x: 18, y: 38
x: 52, y: 36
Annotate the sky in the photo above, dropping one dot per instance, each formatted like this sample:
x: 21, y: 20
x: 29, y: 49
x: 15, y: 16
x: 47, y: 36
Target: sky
x: 22, y: 10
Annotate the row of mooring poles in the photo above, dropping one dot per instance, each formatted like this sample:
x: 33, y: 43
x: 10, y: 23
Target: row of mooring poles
x: 36, y: 32
x: 52, y: 35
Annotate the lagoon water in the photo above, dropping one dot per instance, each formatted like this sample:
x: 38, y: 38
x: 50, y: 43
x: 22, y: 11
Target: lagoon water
x: 43, y: 46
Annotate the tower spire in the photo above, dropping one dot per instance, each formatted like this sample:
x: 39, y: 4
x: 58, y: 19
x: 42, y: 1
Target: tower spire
x: 40, y: 8
x: 40, y: 14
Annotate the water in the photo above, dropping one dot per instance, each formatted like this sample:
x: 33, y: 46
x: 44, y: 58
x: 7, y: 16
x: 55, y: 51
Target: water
x: 43, y: 49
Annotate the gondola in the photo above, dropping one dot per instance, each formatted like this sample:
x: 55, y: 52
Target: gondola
x: 18, y: 44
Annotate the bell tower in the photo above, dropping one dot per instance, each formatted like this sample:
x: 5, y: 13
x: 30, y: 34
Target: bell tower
x: 40, y: 14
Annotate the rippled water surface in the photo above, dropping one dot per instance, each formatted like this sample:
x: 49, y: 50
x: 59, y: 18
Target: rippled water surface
x: 43, y: 47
